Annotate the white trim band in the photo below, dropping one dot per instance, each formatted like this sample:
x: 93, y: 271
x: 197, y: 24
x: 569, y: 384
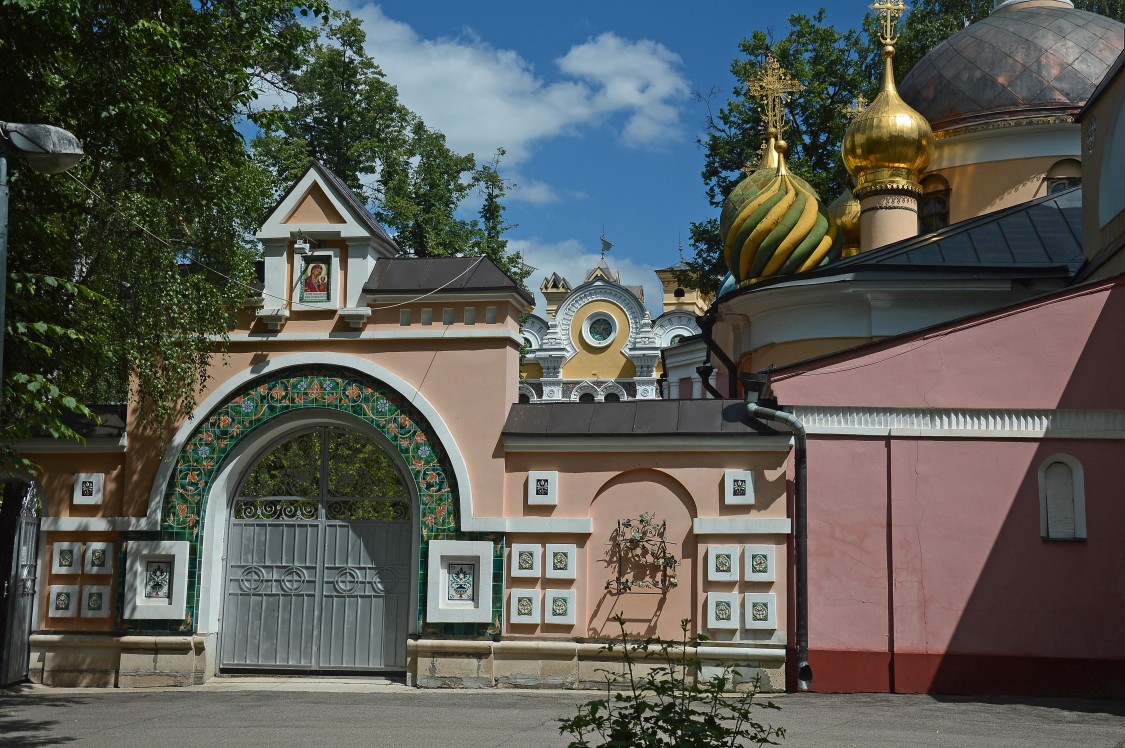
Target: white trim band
x: 967, y: 423
x: 414, y: 332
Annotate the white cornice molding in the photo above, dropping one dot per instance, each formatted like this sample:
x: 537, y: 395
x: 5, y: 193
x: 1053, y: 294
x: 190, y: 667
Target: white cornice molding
x: 1057, y: 139
x: 634, y: 443
x: 963, y: 423
x: 410, y: 332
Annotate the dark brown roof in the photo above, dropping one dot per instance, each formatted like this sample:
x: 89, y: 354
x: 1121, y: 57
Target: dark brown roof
x: 413, y: 275
x: 634, y: 418
x: 112, y: 421
x: 1016, y: 63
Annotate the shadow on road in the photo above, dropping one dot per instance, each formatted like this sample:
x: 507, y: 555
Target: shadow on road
x: 15, y: 730
x: 1114, y: 707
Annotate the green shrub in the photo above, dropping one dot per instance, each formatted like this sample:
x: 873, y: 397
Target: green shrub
x: 669, y: 705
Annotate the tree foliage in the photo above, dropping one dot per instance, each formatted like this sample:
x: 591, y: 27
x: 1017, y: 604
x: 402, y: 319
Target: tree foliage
x: 147, y: 239
x: 835, y: 66
x: 347, y: 116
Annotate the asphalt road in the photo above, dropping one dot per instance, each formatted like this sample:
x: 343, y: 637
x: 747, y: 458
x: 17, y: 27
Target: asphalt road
x: 284, y: 713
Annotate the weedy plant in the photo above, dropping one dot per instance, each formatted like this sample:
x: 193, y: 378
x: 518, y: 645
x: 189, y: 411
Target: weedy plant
x: 669, y: 705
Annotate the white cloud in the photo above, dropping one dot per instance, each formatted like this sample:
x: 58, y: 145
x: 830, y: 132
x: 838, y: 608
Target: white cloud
x: 483, y: 97
x: 572, y: 259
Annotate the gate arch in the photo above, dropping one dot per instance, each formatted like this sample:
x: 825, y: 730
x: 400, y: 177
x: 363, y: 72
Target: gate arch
x: 332, y: 390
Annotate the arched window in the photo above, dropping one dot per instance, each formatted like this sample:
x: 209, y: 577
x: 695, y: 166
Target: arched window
x: 1062, y: 499
x: 1064, y: 175
x: 933, y: 207
x: 586, y: 397
x: 612, y: 397
x: 525, y: 398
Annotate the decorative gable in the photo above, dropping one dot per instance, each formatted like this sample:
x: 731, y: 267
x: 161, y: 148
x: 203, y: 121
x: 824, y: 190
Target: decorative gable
x: 320, y: 246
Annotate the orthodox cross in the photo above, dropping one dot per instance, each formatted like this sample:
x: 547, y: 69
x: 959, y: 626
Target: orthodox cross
x: 856, y: 108
x: 772, y: 87
x: 890, y: 10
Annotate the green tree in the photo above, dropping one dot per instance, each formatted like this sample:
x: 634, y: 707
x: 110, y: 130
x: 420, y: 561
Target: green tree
x: 348, y: 117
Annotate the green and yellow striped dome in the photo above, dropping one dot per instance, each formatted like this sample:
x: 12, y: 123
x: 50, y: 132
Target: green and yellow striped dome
x: 753, y: 183
x: 780, y: 228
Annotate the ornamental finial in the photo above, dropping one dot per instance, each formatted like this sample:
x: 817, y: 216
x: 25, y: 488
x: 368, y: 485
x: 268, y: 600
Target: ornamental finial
x: 772, y: 86
x: 856, y: 108
x: 891, y: 11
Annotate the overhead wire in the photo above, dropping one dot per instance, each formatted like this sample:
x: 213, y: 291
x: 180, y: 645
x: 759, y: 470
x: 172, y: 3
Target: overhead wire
x: 251, y: 287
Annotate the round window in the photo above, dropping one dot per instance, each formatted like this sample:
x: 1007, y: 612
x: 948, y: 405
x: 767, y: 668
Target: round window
x: 599, y: 329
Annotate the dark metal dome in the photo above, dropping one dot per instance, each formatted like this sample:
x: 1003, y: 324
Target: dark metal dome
x: 1020, y: 62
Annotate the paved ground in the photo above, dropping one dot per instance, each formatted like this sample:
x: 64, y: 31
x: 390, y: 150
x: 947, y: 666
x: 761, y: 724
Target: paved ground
x: 359, y: 712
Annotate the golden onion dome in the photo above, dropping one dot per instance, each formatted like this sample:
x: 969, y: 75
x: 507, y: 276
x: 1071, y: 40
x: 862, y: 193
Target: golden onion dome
x: 845, y: 209
x: 889, y: 144
x: 753, y: 183
x: 781, y: 230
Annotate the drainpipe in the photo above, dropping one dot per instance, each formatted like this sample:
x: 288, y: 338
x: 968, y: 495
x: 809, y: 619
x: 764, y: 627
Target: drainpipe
x: 705, y: 373
x: 706, y: 322
x: 755, y: 385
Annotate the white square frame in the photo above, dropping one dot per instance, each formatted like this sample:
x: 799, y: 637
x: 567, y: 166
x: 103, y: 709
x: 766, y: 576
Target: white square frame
x: 439, y: 609
x: 570, y: 551
x: 138, y: 554
x: 536, y: 552
x: 551, y: 498
x: 716, y: 600
x: 713, y: 572
x: 748, y: 554
x: 76, y: 558
x: 751, y: 599
x: 536, y: 607
x: 98, y: 480
x: 730, y: 479
x: 75, y: 601
x: 549, y: 614
x: 84, y: 602
x: 88, y: 559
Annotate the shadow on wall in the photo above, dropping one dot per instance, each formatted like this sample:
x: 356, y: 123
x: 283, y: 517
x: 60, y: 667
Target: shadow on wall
x: 646, y: 612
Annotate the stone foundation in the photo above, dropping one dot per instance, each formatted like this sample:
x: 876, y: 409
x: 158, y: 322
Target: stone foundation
x: 91, y: 661
x: 450, y: 663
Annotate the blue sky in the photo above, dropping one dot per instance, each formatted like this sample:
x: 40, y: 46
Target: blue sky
x: 594, y: 103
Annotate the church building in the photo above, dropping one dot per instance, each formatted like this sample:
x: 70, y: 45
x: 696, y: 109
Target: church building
x: 882, y: 458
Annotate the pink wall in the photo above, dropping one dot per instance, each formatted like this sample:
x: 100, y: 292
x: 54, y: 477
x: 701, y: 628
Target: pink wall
x: 1050, y: 354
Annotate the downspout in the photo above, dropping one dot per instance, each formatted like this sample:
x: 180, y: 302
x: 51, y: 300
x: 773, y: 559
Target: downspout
x: 753, y: 384
x: 705, y: 373
x: 706, y: 322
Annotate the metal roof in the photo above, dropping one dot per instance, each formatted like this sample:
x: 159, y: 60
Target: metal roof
x: 634, y: 418
x: 412, y: 275
x: 1040, y: 238
x: 1025, y: 61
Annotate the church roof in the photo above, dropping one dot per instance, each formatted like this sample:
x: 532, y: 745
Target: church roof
x: 413, y: 275
x: 633, y: 418
x: 1019, y: 62
x: 1038, y: 238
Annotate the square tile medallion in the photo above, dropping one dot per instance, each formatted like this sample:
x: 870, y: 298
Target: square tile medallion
x: 95, y: 601
x: 738, y: 487
x: 761, y: 610
x: 88, y: 488
x: 722, y: 610
x: 722, y: 563
x: 759, y: 563
x: 461, y: 582
x: 560, y: 561
x: 62, y: 601
x: 99, y: 558
x: 66, y: 558
x: 158, y: 580
x: 558, y: 607
x: 543, y: 487
x: 524, y: 606
x: 527, y: 560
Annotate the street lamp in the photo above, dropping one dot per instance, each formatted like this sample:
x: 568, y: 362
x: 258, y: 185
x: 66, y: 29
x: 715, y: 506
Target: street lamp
x: 46, y: 149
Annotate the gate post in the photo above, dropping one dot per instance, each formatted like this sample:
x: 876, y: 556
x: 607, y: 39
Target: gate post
x: 19, y: 531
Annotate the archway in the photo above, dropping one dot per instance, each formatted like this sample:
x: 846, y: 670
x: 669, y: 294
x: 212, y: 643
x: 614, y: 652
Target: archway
x: 321, y: 393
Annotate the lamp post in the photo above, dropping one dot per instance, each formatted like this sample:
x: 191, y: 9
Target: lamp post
x: 46, y: 149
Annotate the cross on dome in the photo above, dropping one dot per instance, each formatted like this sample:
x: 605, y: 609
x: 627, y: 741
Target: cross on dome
x: 772, y: 87
x: 891, y: 11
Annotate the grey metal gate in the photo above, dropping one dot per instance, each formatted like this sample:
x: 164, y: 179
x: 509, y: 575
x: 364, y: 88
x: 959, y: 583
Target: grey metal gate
x: 317, y: 584
x: 20, y: 584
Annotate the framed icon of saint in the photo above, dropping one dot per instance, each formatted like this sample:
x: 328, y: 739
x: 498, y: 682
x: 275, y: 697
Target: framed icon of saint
x: 315, y: 281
